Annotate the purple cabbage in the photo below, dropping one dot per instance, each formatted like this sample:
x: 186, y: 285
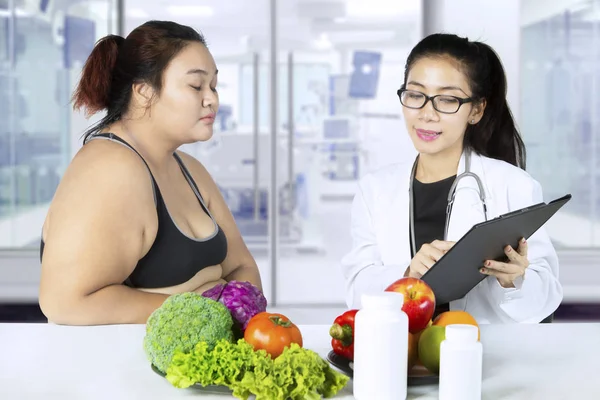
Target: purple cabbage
x: 243, y: 299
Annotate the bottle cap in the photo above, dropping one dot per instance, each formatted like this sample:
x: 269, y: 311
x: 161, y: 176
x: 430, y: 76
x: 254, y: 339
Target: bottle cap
x: 392, y: 300
x: 462, y: 333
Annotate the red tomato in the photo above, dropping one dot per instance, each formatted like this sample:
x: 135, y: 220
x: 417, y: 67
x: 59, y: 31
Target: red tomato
x: 272, y: 332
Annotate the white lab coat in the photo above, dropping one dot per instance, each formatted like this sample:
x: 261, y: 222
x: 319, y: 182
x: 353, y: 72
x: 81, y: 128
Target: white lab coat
x: 380, y: 250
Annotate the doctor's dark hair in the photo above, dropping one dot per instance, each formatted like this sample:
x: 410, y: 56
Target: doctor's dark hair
x: 496, y: 134
x: 116, y: 63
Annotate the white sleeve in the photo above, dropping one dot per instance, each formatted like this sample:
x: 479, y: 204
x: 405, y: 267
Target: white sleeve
x: 362, y: 267
x: 539, y: 293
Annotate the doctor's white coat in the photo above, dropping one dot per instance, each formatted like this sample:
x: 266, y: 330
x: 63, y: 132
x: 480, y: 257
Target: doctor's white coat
x: 381, y: 244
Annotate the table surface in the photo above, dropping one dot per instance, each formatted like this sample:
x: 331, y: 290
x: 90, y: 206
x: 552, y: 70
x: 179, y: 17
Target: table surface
x: 45, y: 361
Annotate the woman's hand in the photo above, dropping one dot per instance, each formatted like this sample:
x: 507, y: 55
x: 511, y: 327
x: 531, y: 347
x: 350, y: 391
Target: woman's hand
x: 428, y: 255
x: 508, y: 272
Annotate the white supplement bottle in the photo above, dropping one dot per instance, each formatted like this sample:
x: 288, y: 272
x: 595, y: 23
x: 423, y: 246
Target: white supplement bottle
x: 461, y: 358
x: 381, y: 348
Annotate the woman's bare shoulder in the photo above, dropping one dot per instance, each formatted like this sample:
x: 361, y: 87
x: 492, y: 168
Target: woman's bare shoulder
x: 103, y: 174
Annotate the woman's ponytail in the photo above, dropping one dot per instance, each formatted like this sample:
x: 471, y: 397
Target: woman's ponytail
x: 496, y: 135
x: 93, y: 90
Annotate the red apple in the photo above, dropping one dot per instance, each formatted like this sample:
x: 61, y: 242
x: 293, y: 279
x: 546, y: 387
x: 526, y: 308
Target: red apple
x: 419, y: 302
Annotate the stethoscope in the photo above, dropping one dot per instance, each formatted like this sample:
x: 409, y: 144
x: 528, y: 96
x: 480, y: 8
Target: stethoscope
x: 451, y: 195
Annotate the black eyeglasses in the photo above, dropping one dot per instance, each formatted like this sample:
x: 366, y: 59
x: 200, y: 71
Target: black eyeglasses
x: 441, y: 102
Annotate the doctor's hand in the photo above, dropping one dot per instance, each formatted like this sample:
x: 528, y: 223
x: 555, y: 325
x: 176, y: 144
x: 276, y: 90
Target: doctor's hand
x: 508, y: 272
x: 428, y: 255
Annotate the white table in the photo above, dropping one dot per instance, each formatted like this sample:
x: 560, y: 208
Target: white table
x: 43, y: 361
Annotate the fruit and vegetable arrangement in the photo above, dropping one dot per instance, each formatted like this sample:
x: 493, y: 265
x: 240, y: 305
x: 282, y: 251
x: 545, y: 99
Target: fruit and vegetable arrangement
x: 425, y: 334
x: 225, y: 337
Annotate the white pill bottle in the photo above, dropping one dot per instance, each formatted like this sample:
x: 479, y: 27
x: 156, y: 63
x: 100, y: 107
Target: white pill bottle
x: 461, y: 356
x: 381, y: 348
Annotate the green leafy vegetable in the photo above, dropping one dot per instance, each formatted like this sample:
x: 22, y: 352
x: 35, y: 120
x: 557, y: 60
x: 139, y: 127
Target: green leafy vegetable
x: 182, y: 321
x: 298, y: 373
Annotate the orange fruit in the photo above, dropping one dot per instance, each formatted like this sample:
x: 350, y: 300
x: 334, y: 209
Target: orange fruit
x: 456, y: 317
x: 413, y: 349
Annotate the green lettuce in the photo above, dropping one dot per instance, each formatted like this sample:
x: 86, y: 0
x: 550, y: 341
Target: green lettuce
x: 298, y: 373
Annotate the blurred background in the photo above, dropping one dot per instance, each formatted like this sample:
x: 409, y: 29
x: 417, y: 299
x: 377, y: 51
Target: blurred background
x: 308, y: 105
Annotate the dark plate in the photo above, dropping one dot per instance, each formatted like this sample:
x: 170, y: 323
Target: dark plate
x: 418, y: 375
x: 213, y: 389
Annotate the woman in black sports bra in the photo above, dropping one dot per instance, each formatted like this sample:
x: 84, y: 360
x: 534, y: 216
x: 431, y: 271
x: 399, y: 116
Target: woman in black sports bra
x: 134, y: 220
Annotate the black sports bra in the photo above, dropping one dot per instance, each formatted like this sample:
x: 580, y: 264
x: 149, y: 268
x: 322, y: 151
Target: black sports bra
x: 174, y: 257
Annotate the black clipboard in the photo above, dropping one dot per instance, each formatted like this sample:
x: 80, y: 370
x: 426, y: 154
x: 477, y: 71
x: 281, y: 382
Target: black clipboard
x: 457, y: 272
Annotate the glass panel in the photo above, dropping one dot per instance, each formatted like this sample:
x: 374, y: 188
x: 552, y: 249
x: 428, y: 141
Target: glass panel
x: 310, y: 94
x: 351, y: 61
x: 559, y: 100
x: 42, y: 50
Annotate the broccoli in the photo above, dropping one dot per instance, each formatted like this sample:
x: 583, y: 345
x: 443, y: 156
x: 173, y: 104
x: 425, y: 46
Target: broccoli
x: 181, y: 322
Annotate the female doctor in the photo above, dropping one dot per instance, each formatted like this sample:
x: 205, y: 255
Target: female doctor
x: 403, y: 219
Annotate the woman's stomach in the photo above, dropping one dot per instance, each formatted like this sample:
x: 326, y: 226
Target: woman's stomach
x: 205, y: 279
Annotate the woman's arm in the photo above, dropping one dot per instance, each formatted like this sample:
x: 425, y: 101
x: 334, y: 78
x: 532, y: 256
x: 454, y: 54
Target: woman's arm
x: 94, y: 237
x: 115, y: 304
x: 239, y: 264
x: 363, y: 267
x: 538, y: 293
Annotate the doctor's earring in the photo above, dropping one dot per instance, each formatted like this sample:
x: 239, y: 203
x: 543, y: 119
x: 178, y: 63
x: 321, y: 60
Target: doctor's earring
x: 472, y: 121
